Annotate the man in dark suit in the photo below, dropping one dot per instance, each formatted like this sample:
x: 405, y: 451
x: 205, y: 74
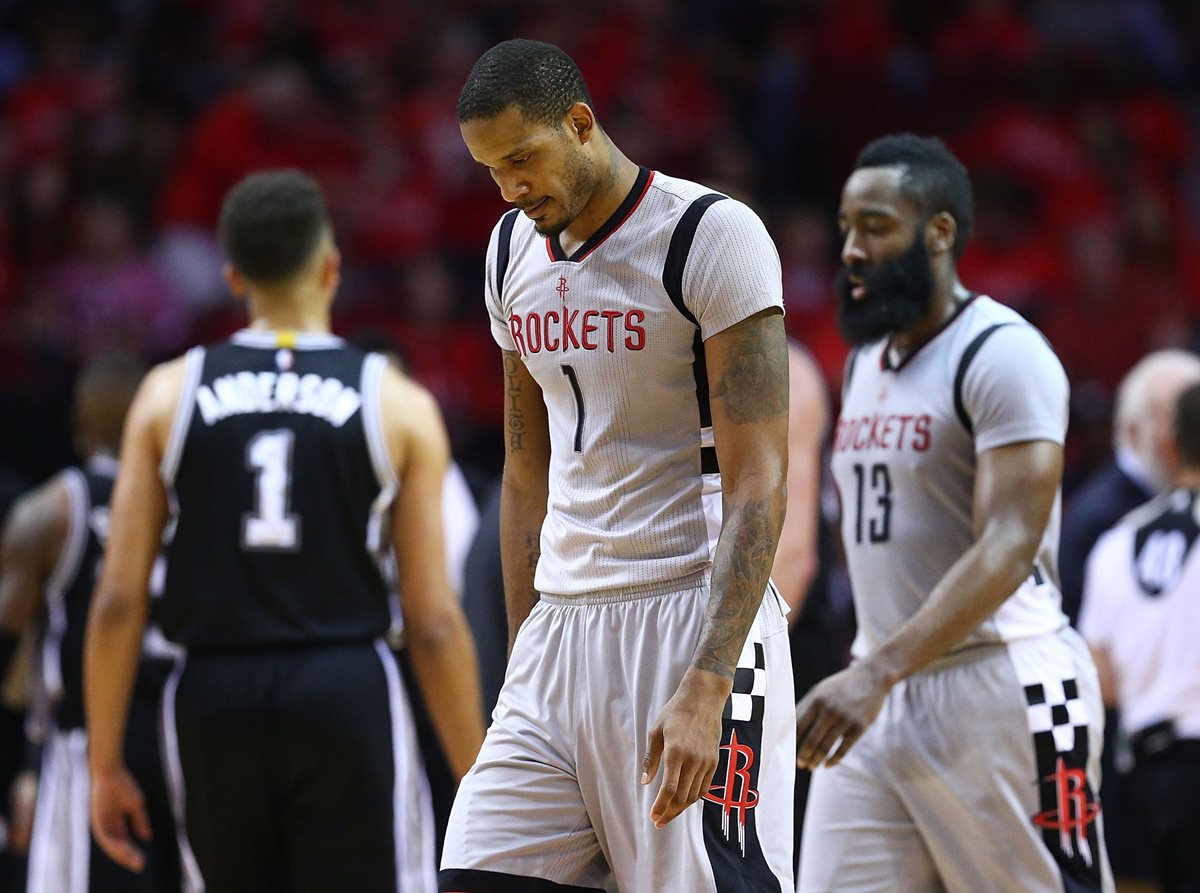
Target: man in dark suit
x: 1145, y: 462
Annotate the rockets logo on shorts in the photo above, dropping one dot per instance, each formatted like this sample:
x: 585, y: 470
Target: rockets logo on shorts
x: 735, y: 794
x: 1058, y: 720
x: 730, y: 828
x: 734, y: 783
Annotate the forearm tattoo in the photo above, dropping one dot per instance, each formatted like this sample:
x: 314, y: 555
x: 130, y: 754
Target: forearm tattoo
x: 740, y: 574
x: 751, y: 389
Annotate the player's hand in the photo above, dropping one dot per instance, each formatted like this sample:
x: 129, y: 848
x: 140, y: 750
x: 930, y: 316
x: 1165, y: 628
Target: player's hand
x: 117, y: 808
x: 685, y: 739
x: 836, y: 712
x: 22, y: 800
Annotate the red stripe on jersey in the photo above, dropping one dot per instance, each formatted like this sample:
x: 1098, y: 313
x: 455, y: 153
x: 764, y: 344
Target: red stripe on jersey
x: 645, y: 189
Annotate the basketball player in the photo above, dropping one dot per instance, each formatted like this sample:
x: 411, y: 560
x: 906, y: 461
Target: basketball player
x: 51, y: 553
x: 959, y: 751
x: 646, y: 373
x: 1140, y: 616
x: 286, y: 459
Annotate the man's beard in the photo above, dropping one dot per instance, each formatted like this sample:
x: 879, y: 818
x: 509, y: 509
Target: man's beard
x: 898, y: 296
x: 580, y: 181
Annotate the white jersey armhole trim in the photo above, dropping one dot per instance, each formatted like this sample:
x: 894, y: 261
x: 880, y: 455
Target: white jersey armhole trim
x: 372, y: 408
x: 193, y: 368
x: 381, y: 461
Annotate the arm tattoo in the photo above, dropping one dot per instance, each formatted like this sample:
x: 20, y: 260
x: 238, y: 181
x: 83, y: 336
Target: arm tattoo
x: 743, y: 570
x: 514, y: 417
x: 752, y: 391
x: 755, y: 384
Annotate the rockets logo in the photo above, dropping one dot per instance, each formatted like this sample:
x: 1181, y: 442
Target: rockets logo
x: 580, y: 328
x: 736, y: 797
x: 1058, y: 718
x: 1073, y: 811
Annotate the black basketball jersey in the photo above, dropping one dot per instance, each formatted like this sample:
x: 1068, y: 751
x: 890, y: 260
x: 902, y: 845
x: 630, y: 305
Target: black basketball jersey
x: 58, y: 659
x: 58, y: 677
x: 280, y: 486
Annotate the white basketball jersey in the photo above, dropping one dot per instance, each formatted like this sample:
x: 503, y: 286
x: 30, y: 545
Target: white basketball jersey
x: 614, y: 336
x: 904, y: 462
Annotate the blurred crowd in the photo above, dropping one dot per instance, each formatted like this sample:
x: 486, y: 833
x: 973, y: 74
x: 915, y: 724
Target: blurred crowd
x: 124, y: 121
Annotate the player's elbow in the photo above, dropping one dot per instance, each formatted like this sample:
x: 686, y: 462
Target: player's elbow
x: 116, y: 606
x: 433, y: 632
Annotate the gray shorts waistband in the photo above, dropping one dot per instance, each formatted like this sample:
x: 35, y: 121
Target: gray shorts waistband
x: 635, y: 593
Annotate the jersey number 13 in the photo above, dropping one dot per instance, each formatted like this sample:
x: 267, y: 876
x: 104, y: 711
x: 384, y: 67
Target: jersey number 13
x: 872, y: 503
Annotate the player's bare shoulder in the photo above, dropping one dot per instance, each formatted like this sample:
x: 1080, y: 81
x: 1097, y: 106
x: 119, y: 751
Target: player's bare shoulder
x: 153, y: 409
x: 39, y: 521
x: 412, y: 420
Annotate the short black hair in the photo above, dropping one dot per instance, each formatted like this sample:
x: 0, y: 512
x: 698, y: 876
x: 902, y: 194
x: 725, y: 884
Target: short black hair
x: 538, y: 78
x: 271, y: 223
x: 933, y: 178
x: 104, y: 390
x: 1187, y: 426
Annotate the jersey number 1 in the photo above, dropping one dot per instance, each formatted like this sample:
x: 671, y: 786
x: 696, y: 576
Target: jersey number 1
x: 879, y: 482
x: 569, y: 372
x: 271, y: 527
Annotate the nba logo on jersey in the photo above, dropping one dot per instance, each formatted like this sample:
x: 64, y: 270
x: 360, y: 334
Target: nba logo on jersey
x: 284, y: 360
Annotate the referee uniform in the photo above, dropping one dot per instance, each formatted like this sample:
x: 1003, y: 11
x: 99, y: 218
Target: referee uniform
x: 293, y: 764
x: 1141, y: 609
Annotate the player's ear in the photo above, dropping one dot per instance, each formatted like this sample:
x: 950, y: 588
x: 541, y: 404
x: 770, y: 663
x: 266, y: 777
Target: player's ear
x: 940, y: 233
x: 331, y: 268
x: 582, y: 121
x: 235, y: 280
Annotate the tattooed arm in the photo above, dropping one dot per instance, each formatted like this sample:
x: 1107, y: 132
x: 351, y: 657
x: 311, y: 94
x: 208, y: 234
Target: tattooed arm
x: 524, y: 489
x: 748, y: 394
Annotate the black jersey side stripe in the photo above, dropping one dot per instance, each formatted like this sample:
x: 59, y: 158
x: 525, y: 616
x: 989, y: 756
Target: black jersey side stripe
x: 681, y: 247
x: 672, y: 280
x: 503, y: 248
x: 848, y: 371
x: 968, y: 355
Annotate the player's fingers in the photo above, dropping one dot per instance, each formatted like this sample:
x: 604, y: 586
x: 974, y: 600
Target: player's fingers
x: 701, y: 784
x: 694, y: 777
x: 685, y: 794
x: 661, y: 810
x: 812, y: 716
x: 807, y: 712
x: 113, y: 838
x: 653, y: 753
x: 847, y: 742
x: 139, y: 820
x: 810, y: 751
x: 829, y: 740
